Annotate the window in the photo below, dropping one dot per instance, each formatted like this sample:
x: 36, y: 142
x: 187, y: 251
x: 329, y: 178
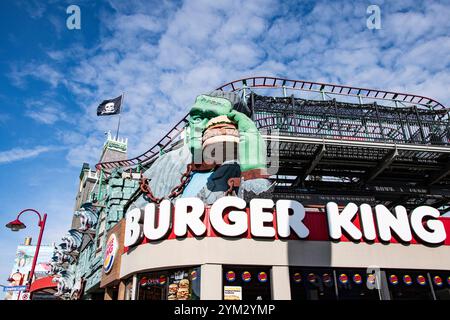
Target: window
x: 441, y: 284
x: 309, y: 283
x: 331, y: 284
x: 246, y: 283
x: 354, y: 284
x: 180, y: 284
x: 312, y: 284
x: 409, y: 285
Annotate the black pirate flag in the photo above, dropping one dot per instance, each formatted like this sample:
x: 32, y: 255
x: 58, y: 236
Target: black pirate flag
x: 110, y: 107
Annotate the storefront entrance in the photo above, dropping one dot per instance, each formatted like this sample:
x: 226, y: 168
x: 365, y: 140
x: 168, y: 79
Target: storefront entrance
x: 153, y: 292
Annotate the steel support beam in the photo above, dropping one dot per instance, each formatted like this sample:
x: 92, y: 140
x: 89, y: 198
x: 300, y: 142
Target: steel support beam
x: 311, y: 166
x: 439, y: 203
x: 384, y: 163
x: 400, y: 201
x: 350, y: 143
x: 439, y: 176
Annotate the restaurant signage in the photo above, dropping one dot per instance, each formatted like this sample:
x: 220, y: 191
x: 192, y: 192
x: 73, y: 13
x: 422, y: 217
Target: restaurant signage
x: 110, y: 253
x: 283, y: 219
x: 232, y: 293
x: 14, y: 288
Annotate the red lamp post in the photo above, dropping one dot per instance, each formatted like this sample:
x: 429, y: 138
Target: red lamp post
x: 17, y: 225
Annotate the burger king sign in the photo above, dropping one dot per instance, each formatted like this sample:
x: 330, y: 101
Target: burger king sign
x: 110, y: 253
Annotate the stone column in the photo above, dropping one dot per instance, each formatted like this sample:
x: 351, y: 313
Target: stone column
x: 211, y: 282
x: 108, y: 293
x: 281, y: 288
x: 135, y: 288
x: 121, y: 293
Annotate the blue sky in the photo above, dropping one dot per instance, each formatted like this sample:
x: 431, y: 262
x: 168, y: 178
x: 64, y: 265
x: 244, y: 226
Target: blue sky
x: 164, y: 53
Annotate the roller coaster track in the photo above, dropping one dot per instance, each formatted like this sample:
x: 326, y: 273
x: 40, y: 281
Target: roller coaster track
x: 273, y: 82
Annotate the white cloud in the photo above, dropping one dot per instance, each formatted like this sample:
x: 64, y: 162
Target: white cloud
x: 35, y: 9
x: 165, y: 54
x: 47, y: 115
x: 17, y: 154
x: 48, y: 111
x: 43, y: 72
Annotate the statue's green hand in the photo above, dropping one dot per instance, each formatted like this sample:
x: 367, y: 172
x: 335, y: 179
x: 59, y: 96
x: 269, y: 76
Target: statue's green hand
x: 252, y: 149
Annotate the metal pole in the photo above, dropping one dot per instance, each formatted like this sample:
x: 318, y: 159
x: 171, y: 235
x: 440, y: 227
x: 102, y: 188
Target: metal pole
x: 20, y: 283
x: 99, y: 195
x: 120, y: 113
x: 252, y: 105
x: 336, y: 290
x: 422, y: 132
x: 36, y: 253
x: 337, y: 117
x: 118, y: 126
x: 430, y: 281
x: 379, y: 121
x: 134, y: 288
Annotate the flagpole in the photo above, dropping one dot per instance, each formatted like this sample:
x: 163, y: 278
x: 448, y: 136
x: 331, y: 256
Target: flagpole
x: 120, y: 113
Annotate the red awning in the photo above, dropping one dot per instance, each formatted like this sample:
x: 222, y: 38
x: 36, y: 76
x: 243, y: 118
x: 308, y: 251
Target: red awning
x: 42, y: 283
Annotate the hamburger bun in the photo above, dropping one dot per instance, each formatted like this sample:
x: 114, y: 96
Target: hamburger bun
x: 173, y: 288
x: 184, y: 283
x: 232, y: 298
x: 220, y: 140
x: 183, y: 294
x: 220, y: 129
x: 219, y: 121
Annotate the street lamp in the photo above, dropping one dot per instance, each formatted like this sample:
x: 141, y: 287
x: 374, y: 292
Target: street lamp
x: 17, y: 225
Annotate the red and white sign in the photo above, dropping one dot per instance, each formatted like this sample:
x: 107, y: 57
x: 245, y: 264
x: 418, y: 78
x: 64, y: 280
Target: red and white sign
x: 285, y: 219
x: 110, y: 253
x: 24, y: 296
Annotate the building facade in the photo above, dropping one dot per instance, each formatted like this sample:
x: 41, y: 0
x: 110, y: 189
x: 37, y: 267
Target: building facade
x: 300, y: 190
x: 98, y: 207
x: 21, y: 269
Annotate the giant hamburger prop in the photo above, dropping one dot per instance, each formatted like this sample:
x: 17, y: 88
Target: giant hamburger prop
x: 220, y: 141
